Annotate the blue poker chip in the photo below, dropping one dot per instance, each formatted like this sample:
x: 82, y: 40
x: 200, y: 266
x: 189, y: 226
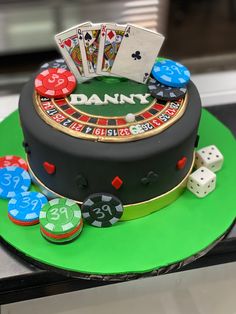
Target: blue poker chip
x: 13, y: 180
x: 171, y: 73
x: 26, y: 206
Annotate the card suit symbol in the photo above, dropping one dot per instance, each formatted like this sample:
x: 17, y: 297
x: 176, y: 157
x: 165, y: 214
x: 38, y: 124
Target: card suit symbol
x: 67, y: 42
x: 80, y: 37
x: 197, y: 141
x: 117, y: 183
x: 151, y: 177
x: 103, y: 30
x: 26, y: 147
x: 127, y: 32
x: 136, y: 55
x: 111, y: 35
x: 145, y: 77
x: 88, y: 37
x: 181, y: 163
x: 50, y: 168
x: 144, y: 181
x: 81, y: 181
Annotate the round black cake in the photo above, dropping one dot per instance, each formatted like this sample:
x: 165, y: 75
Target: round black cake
x: 82, y: 144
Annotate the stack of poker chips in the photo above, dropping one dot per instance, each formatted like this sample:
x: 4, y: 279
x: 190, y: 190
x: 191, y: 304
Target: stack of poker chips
x: 23, y: 206
x: 169, y: 80
x: 60, y: 220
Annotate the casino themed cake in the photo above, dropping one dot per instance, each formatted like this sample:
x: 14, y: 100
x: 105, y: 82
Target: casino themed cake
x: 110, y: 133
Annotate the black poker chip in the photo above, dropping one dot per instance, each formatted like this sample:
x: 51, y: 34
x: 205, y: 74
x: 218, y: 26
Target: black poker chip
x: 55, y: 64
x: 163, y: 92
x: 102, y: 210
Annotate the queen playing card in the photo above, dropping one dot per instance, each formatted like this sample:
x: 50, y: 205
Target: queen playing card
x: 68, y: 44
x: 89, y: 44
x: 110, y: 40
x: 137, y: 53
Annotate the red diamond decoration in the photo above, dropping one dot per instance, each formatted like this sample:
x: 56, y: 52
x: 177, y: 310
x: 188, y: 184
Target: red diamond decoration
x: 50, y: 168
x: 117, y: 182
x: 111, y: 34
x: 181, y: 163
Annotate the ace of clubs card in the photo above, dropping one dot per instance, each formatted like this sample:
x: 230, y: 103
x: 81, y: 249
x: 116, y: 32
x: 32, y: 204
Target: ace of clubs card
x: 89, y: 44
x: 68, y: 44
x: 110, y: 40
x: 137, y: 53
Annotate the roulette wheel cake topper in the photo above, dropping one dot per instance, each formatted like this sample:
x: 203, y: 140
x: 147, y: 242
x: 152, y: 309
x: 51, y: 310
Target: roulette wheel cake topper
x: 152, y: 116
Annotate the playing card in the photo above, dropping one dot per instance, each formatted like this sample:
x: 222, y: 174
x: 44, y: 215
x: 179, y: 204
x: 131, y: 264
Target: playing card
x: 89, y: 37
x: 110, y: 40
x: 137, y: 53
x: 68, y: 44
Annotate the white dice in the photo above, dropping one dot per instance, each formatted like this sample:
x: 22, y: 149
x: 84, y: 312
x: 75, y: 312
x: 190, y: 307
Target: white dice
x: 201, y: 182
x: 209, y: 157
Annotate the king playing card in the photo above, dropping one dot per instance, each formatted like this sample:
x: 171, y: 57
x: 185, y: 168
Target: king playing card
x: 110, y: 40
x: 89, y: 37
x: 137, y: 53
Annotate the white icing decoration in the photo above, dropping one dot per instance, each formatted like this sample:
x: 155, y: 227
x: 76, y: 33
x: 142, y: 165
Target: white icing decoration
x: 143, y: 98
x: 94, y: 99
x: 78, y: 99
x: 125, y: 99
x: 81, y: 99
x: 111, y: 99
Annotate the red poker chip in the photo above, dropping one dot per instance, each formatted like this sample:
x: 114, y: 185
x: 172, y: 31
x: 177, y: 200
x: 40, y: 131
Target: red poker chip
x: 21, y: 223
x: 55, y: 83
x: 9, y: 161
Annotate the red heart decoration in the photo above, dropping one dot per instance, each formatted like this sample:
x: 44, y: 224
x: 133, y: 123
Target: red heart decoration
x: 50, y: 168
x: 181, y: 163
x: 67, y: 42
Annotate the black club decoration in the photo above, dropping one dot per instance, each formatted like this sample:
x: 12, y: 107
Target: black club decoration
x: 136, y: 55
x: 151, y: 177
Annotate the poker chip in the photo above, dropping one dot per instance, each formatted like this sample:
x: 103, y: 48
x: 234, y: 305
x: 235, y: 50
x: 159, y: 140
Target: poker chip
x: 164, y: 92
x: 13, y: 180
x: 8, y: 161
x: 55, y: 64
x: 60, y: 240
x: 102, y: 210
x: 60, y: 216
x: 160, y: 59
x: 25, y: 207
x: 20, y: 223
x: 171, y: 73
x: 55, y: 83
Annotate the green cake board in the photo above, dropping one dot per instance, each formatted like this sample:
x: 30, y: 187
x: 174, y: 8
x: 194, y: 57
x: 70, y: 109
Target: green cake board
x: 164, y: 238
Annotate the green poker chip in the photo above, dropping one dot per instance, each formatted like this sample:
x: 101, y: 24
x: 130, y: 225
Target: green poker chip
x: 160, y: 59
x: 60, y: 216
x: 61, y: 241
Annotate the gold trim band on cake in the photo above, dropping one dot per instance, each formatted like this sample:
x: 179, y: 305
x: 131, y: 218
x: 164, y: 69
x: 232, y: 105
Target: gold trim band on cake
x: 136, y: 210
x: 111, y: 138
